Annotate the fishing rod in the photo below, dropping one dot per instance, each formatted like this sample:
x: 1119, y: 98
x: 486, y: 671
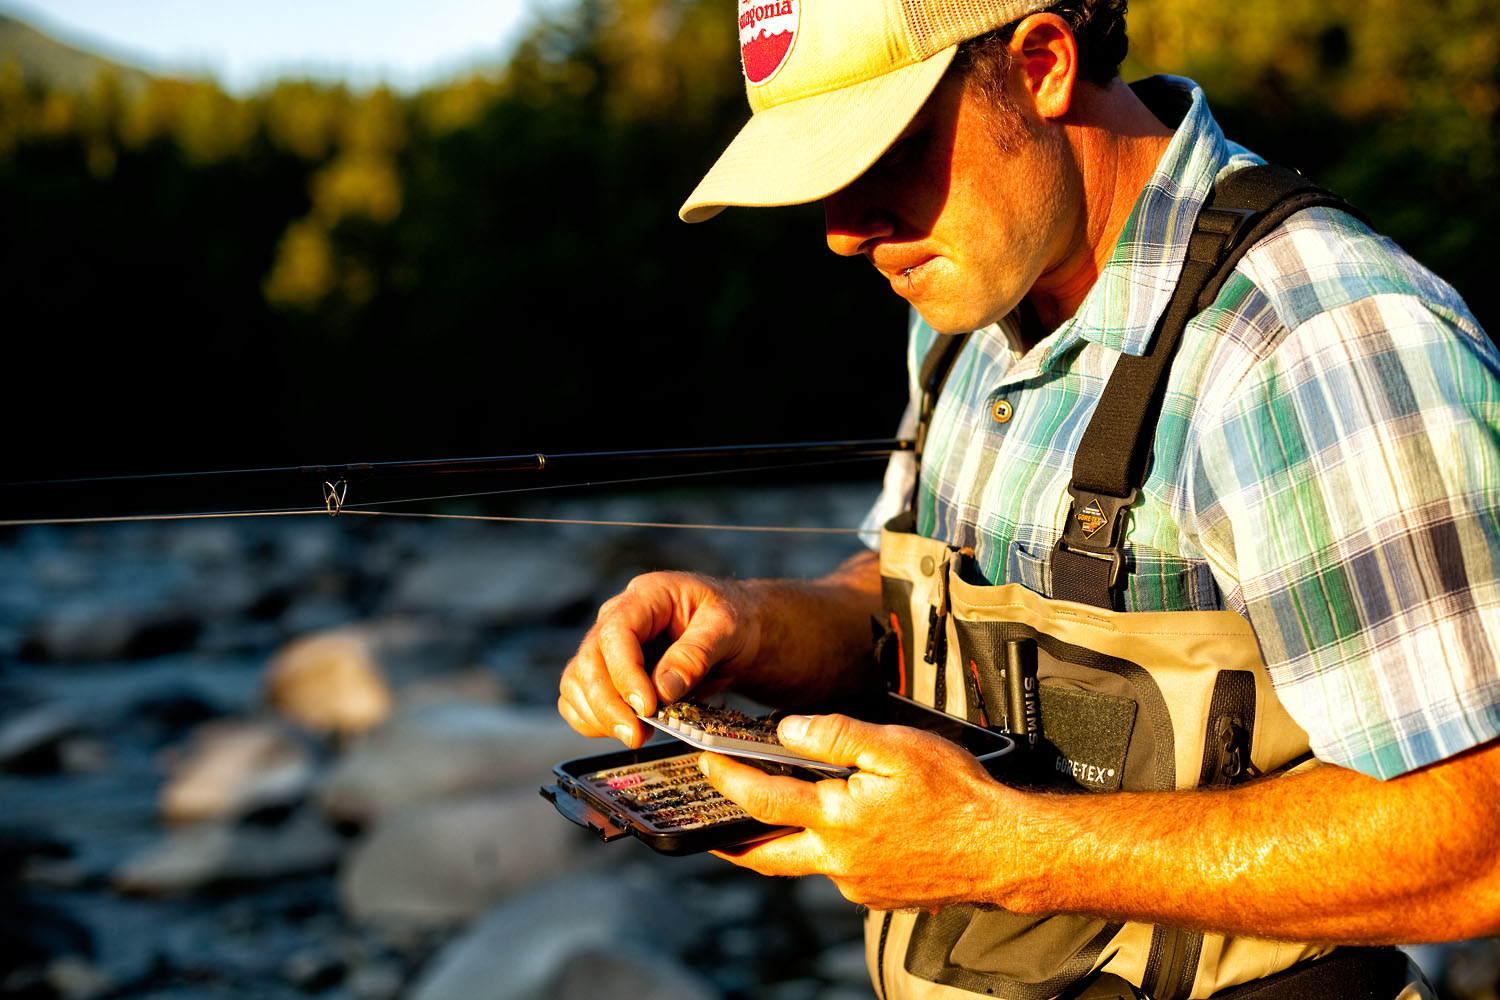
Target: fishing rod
x: 337, y: 488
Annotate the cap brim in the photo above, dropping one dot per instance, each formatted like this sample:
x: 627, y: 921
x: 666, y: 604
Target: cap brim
x: 807, y: 149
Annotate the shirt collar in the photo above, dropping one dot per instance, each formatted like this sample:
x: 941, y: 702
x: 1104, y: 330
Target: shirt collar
x: 1122, y: 309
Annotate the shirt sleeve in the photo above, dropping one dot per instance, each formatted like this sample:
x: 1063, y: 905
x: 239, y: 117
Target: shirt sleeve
x: 1348, y: 493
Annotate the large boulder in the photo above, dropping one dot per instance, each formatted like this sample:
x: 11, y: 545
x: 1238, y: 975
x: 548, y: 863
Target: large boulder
x: 444, y: 749
x: 523, y: 948
x: 447, y: 861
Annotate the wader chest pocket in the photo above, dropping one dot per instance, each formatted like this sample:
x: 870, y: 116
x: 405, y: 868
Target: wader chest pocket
x: 1075, y: 710
x: 1085, y: 736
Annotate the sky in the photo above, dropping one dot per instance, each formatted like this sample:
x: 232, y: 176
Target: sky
x: 246, y: 43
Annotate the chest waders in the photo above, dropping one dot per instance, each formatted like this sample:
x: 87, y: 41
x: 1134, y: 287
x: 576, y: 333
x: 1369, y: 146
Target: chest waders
x: 1100, y: 700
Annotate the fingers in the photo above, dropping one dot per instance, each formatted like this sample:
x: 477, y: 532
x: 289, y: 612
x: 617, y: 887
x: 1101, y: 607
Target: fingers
x: 605, y: 687
x: 589, y: 701
x: 625, y: 624
x: 774, y: 799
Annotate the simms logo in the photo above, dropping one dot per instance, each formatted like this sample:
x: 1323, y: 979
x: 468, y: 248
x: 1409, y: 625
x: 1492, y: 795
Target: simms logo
x: 767, y: 31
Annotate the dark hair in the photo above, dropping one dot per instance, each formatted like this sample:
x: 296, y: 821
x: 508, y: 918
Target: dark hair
x: 1098, y: 25
x: 984, y: 61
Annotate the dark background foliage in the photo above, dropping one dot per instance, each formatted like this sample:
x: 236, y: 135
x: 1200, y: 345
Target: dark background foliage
x: 494, y: 266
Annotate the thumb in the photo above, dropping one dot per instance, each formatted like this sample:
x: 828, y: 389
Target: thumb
x: 848, y: 742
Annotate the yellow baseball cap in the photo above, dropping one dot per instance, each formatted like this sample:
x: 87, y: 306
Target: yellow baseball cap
x: 831, y: 85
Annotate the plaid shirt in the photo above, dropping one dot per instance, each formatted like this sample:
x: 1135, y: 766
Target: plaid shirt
x: 1327, y: 463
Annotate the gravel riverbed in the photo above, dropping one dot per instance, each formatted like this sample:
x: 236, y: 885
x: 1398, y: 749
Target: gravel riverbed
x: 292, y: 757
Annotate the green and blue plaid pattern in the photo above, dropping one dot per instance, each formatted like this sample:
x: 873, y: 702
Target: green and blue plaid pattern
x: 1327, y: 463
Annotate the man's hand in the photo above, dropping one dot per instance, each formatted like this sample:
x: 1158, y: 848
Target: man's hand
x: 1326, y: 854
x: 713, y: 627
x: 782, y: 642
x: 909, y: 829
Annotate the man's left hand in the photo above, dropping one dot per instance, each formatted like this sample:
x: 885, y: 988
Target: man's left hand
x: 917, y: 825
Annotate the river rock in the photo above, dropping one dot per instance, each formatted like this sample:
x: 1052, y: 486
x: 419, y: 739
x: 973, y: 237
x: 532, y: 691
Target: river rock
x: 409, y: 650
x: 631, y: 974
x: 32, y: 741
x: 212, y: 853
x: 313, y: 970
x: 522, y: 948
x: 374, y: 981
x: 90, y: 628
x: 329, y: 682
x: 437, y: 750
x: 447, y: 861
x: 235, y: 767
x: 476, y: 685
x: 73, y: 977
x: 845, y: 963
x: 496, y: 582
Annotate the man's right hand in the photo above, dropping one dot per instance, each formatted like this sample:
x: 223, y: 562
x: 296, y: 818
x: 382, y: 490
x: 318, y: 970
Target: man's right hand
x: 712, y: 625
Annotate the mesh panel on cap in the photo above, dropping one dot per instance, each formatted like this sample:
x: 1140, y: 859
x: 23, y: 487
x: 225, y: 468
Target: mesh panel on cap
x: 933, y: 25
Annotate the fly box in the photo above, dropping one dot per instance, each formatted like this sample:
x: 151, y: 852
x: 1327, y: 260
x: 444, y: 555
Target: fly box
x: 657, y: 793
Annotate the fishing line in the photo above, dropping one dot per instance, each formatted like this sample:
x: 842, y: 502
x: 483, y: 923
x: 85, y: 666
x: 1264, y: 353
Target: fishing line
x: 366, y: 508
x: 128, y: 518
x: 336, y: 491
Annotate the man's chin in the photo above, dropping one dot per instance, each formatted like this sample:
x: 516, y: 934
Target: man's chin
x: 950, y: 323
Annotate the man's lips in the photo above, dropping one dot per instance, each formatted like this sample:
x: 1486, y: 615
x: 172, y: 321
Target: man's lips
x: 900, y: 267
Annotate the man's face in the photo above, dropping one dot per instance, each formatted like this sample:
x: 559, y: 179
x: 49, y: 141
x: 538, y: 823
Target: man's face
x: 962, y: 229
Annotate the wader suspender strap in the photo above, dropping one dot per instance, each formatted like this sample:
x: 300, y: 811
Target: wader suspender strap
x: 1110, y: 466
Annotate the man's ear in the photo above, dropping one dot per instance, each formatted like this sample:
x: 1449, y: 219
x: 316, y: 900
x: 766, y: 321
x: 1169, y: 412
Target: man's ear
x: 1044, y: 64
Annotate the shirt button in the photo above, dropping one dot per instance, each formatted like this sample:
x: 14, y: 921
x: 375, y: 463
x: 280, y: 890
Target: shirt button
x: 1002, y: 411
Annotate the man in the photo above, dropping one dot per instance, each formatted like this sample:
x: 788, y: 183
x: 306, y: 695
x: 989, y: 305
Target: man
x: 1322, y: 473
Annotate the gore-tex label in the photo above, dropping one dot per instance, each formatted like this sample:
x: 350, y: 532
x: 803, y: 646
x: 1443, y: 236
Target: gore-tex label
x: 767, y: 31
x: 1090, y: 731
x: 1088, y: 774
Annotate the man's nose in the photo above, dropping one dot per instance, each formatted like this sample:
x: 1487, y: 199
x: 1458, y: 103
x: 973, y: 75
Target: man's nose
x: 851, y: 220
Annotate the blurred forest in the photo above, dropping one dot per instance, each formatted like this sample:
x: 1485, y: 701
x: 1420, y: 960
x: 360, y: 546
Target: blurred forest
x: 494, y: 266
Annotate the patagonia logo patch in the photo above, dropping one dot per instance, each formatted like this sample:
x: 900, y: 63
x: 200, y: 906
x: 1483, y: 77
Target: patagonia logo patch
x: 767, y: 31
x: 1091, y: 519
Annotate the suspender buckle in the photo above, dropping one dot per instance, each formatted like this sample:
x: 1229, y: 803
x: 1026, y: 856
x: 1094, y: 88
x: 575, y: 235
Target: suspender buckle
x: 1095, y: 528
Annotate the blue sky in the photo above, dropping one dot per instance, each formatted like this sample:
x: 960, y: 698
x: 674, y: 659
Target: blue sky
x: 244, y: 43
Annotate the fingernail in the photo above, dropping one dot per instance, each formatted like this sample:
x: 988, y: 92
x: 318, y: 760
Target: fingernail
x: 793, y: 728
x: 672, y: 685
x: 702, y: 764
x: 637, y: 703
x: 624, y: 734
